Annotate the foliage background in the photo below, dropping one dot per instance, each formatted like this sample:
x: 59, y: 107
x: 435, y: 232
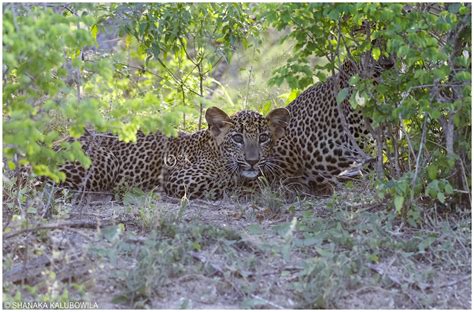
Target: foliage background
x: 128, y: 67
x: 124, y: 67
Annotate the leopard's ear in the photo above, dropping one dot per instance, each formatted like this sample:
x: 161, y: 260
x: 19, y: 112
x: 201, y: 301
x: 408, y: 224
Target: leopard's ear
x: 219, y: 123
x: 278, y: 120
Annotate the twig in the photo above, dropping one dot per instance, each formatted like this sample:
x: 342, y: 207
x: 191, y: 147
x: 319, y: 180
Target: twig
x: 410, y: 146
x: 379, y: 137
x: 143, y: 69
x: 48, y: 203
x: 213, y: 65
x: 198, y: 256
x: 186, y: 51
x: 89, y: 171
x: 14, y: 18
x: 341, y: 114
x: 395, y: 154
x: 268, y: 302
x: 63, y: 225
x: 20, y: 271
x: 70, y: 10
x: 248, y: 87
x: 87, y: 192
x: 420, y: 150
x: 465, y: 180
x: 452, y: 283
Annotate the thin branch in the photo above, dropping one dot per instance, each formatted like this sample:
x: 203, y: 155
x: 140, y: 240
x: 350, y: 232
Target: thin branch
x: 186, y: 52
x: 178, y: 81
x: 273, y: 305
x: 201, y: 91
x: 339, y: 107
x: 379, y: 137
x: 395, y: 154
x: 70, y: 10
x: 62, y: 225
x: 248, y: 88
x: 12, y: 6
x: 452, y: 283
x: 168, y: 70
x: 420, y: 150
x: 304, y: 29
x: 465, y: 180
x: 410, y: 146
x: 138, y: 68
x: 213, y: 65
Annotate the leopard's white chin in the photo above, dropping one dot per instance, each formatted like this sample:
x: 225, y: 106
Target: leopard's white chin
x: 250, y: 174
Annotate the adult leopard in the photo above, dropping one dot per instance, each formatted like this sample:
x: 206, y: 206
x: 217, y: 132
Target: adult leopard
x: 205, y: 164
x: 316, y: 147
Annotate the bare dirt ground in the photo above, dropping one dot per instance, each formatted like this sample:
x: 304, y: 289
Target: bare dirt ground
x: 147, y: 250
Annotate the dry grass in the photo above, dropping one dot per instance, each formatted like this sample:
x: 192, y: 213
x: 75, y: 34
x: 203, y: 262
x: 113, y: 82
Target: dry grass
x: 148, y: 250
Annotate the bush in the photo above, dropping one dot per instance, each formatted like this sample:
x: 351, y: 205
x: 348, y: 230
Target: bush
x: 420, y: 112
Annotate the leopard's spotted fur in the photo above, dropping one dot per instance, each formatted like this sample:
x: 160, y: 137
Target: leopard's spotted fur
x: 204, y: 164
x: 315, y: 148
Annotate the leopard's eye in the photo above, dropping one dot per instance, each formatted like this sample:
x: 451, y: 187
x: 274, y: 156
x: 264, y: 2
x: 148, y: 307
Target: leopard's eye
x: 263, y: 138
x: 238, y: 138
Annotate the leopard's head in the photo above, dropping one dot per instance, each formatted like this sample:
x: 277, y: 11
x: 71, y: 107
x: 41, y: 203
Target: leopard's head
x: 246, y: 139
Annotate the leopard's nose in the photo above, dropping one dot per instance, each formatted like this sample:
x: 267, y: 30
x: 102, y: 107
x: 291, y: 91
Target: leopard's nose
x: 252, y: 154
x: 252, y: 162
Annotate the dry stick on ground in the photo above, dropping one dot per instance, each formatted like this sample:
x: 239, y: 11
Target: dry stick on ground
x: 219, y: 271
x: 46, y: 207
x: 274, y: 305
x: 20, y: 270
x: 62, y: 225
x: 31, y: 270
x: 394, y: 279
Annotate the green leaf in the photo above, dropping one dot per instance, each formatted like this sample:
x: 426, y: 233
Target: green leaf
x: 464, y: 75
x: 255, y: 229
x: 266, y: 108
x: 463, y: 10
x: 11, y: 165
x: 360, y: 99
x: 112, y: 233
x: 293, y: 95
x: 376, y: 53
x: 432, y: 171
x: 94, y: 31
x: 196, y: 246
x: 374, y: 258
x: 321, y: 76
x: 252, y: 303
x: 441, y: 197
x: 448, y: 188
x: 427, y: 242
x: 120, y: 299
x: 432, y: 188
x: 342, y: 95
x: 454, y: 8
x: 324, y: 252
x: 398, y: 203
